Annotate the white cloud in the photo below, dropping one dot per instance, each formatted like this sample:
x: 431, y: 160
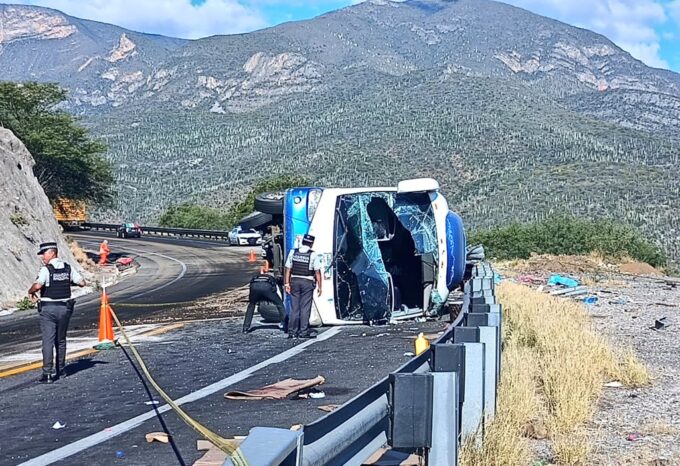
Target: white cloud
x: 177, y: 18
x: 628, y: 23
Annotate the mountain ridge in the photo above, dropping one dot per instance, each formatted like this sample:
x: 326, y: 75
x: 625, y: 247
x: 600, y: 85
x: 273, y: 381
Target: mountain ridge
x: 491, y: 99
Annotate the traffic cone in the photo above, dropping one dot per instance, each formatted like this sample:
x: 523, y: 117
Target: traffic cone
x: 251, y: 257
x: 105, y: 324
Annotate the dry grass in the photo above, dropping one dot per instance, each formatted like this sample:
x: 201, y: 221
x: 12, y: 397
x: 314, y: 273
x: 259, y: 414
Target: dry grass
x: 504, y: 443
x: 571, y: 449
x: 80, y: 255
x: 554, y: 367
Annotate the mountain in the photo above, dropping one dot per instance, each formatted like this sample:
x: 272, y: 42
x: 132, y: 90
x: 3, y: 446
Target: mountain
x: 517, y: 115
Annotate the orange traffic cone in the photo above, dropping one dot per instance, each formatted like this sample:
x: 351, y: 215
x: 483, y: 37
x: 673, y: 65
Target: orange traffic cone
x: 251, y: 256
x: 105, y: 321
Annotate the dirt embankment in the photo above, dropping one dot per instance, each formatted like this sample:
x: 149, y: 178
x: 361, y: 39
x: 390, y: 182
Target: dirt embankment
x: 636, y: 313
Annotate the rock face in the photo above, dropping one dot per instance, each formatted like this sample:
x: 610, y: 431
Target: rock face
x: 23, y: 23
x: 26, y: 220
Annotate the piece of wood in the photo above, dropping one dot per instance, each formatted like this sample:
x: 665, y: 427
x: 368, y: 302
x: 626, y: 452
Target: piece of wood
x: 329, y: 408
x: 157, y: 437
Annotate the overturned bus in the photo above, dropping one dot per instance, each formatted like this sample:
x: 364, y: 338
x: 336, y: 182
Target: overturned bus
x: 387, y: 253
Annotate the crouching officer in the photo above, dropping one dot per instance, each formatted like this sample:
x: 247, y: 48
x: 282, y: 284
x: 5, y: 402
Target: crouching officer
x: 263, y: 287
x: 55, y: 307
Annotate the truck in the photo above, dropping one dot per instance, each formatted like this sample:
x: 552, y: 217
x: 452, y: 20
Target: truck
x: 70, y: 214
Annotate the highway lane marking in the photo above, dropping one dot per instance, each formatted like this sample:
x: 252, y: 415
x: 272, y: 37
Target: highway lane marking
x: 7, y: 370
x: 125, y: 426
x: 145, y: 253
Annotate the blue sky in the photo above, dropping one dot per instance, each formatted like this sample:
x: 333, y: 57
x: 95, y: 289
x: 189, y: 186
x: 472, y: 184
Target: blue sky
x: 648, y: 29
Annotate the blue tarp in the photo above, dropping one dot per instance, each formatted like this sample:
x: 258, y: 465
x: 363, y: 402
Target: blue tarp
x: 561, y: 280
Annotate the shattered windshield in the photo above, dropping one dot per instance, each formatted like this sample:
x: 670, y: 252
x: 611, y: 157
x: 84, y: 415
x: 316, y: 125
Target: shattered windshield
x: 381, y: 239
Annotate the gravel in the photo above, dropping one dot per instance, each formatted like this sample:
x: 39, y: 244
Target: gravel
x: 625, y: 313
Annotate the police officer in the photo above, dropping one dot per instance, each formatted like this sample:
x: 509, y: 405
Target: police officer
x: 303, y: 271
x: 55, y: 307
x: 263, y: 287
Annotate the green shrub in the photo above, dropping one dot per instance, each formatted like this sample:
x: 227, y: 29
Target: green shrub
x: 570, y: 236
x: 196, y: 216
x: 25, y: 304
x: 18, y: 220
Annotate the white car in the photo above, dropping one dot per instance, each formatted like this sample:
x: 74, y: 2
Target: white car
x: 241, y: 237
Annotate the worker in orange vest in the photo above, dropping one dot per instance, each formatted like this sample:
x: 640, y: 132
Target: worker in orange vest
x: 104, y: 252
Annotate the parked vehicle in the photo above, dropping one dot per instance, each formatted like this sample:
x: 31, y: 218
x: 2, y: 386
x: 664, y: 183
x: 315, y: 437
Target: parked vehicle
x: 388, y: 253
x: 244, y: 237
x: 129, y: 230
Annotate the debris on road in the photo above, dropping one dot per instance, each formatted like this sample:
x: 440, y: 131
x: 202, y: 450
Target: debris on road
x: 329, y: 408
x: 409, y: 354
x: 212, y: 457
x: 660, y: 324
x: 158, y: 437
x: 614, y: 384
x: 120, y: 454
x: 317, y: 395
x: 633, y: 437
x: 590, y: 300
x: 277, y: 391
x: 387, y: 457
x: 556, y: 279
x: 421, y: 343
x: 58, y: 425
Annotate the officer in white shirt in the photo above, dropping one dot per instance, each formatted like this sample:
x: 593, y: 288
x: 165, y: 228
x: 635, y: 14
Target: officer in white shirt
x: 55, y: 307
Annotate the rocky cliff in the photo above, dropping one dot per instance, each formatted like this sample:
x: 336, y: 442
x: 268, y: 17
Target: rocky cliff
x: 26, y: 220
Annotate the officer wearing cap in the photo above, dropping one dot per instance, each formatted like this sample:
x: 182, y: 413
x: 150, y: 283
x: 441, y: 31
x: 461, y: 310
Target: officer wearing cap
x: 303, y: 272
x: 263, y: 287
x: 55, y: 307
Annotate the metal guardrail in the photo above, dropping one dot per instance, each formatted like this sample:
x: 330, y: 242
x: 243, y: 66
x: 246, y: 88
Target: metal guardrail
x: 162, y: 231
x: 432, y: 403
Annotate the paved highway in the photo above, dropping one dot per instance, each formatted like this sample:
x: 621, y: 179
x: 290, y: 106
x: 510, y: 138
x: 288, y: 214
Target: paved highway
x: 106, y: 406
x: 171, y: 271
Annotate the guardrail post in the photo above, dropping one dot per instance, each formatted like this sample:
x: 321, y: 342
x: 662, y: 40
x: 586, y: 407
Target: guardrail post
x: 489, y: 337
x: 269, y: 446
x: 445, y: 410
x: 472, y: 410
x: 488, y: 319
x: 450, y: 357
x: 410, y: 401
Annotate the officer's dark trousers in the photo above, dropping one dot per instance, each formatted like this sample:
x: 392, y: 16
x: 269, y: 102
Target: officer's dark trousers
x: 54, y: 318
x: 301, y: 295
x: 257, y: 295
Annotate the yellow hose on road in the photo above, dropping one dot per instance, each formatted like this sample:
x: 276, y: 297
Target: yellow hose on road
x: 230, y: 447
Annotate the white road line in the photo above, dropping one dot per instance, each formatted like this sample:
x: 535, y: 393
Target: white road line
x: 95, y: 439
x: 145, y: 253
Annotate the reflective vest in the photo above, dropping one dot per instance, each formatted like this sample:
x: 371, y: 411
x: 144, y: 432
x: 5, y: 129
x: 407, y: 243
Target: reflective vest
x: 301, y: 264
x: 59, y: 285
x: 263, y: 282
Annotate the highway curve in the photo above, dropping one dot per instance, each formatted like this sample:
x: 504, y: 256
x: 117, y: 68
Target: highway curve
x: 171, y: 271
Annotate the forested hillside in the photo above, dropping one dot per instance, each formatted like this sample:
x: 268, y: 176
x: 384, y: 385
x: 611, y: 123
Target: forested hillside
x: 517, y: 115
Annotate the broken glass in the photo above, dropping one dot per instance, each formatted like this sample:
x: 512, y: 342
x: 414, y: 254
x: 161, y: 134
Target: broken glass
x: 362, y: 281
x: 414, y: 211
x: 384, y: 242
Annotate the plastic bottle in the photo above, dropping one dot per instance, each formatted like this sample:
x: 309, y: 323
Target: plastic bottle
x: 422, y: 344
